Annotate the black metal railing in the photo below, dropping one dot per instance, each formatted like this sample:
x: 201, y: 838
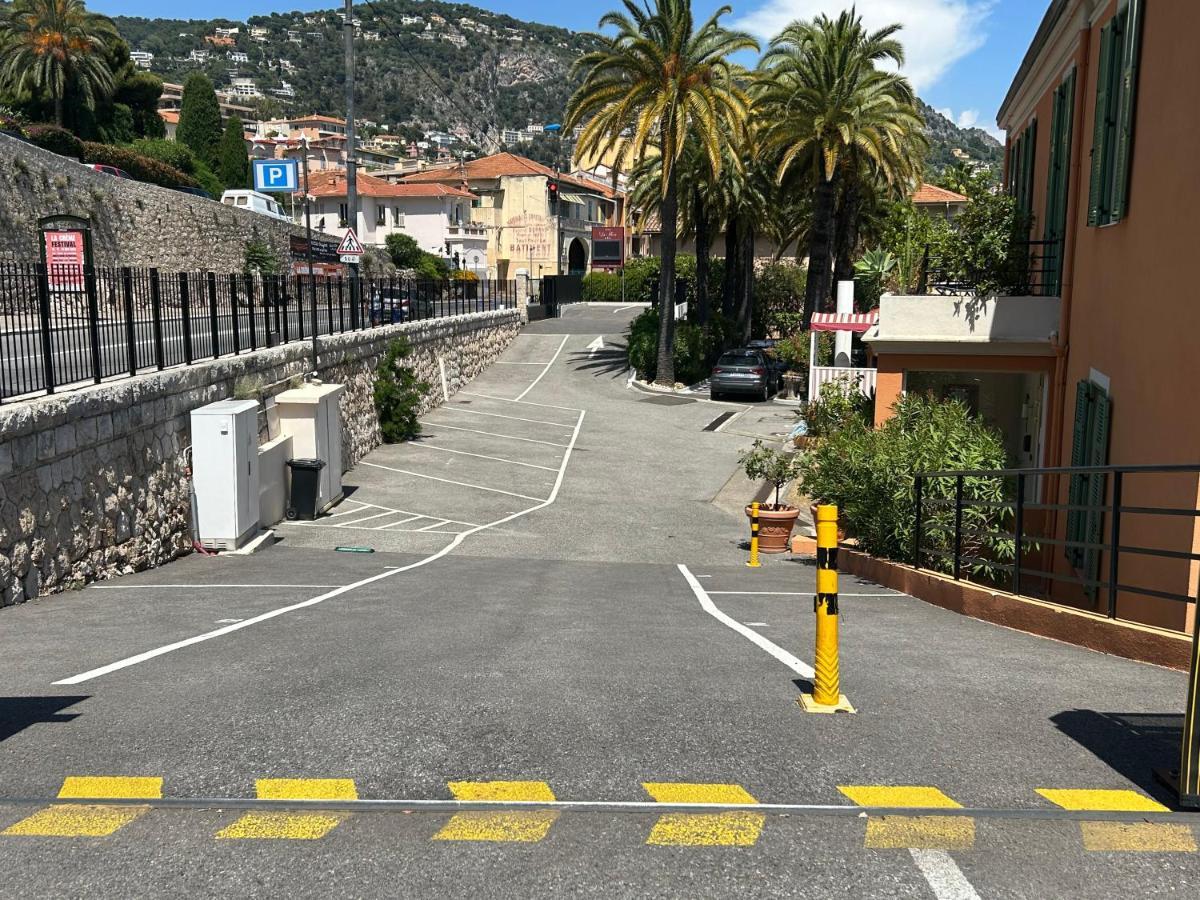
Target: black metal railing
x: 63, y: 326
x: 1034, y: 272
x: 981, y: 526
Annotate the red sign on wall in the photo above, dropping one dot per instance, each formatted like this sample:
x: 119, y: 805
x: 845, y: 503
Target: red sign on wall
x: 64, y: 259
x: 608, y: 247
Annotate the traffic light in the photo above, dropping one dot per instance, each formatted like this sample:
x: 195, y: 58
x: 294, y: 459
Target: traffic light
x: 552, y: 187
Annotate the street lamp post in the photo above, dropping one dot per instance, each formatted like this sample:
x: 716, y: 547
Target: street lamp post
x: 351, y: 171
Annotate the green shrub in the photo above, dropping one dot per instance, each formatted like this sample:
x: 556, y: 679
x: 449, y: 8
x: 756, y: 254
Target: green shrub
x: 696, y: 346
x: 641, y: 279
x: 838, y: 404
x: 173, y: 153
x: 792, y: 350
x: 868, y: 473
x: 12, y: 121
x: 779, y: 299
x: 398, y: 395
x: 602, y: 287
x: 209, y: 182
x: 142, y: 168
x: 259, y: 256
x: 56, y: 140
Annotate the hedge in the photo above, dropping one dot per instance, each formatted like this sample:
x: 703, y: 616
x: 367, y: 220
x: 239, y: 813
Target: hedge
x: 601, y: 287
x: 55, y: 139
x: 142, y: 168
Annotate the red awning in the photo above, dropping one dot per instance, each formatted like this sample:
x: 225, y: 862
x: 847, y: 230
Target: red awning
x: 859, y: 322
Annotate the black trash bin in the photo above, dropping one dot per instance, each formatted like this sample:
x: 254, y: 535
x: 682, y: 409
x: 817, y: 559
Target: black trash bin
x: 306, y: 487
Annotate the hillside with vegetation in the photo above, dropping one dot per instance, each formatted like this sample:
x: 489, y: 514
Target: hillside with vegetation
x: 475, y: 72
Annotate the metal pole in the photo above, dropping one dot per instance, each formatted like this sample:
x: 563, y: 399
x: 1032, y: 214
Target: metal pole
x: 1114, y: 546
x: 351, y: 165
x: 312, y: 275
x: 918, y: 525
x: 130, y: 333
x: 1018, y: 530
x: 753, y: 561
x: 958, y: 507
x: 826, y: 696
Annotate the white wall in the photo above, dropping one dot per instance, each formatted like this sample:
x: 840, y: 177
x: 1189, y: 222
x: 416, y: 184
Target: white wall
x: 426, y: 219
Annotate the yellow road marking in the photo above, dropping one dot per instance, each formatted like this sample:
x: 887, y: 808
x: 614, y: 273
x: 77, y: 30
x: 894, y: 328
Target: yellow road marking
x: 294, y: 826
x: 736, y: 828
x: 69, y: 820
x: 522, y: 826
x: 1137, y: 837
x: 912, y: 832
x: 110, y: 787
x: 1126, y: 837
x: 1106, y: 800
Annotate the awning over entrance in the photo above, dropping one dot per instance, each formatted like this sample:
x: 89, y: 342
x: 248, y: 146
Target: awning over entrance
x: 859, y: 322
x: 575, y: 198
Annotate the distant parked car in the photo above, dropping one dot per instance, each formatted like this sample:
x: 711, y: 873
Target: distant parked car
x: 109, y: 170
x: 195, y: 192
x: 395, y: 304
x: 255, y: 202
x: 767, y: 346
x: 742, y: 371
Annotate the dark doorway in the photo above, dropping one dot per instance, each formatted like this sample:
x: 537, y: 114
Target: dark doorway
x: 576, y: 257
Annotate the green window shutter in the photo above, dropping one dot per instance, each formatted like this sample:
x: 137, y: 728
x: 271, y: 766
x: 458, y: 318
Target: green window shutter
x: 1027, y: 202
x: 1096, y: 188
x: 1123, y: 157
x: 1058, y: 184
x: 1077, y: 489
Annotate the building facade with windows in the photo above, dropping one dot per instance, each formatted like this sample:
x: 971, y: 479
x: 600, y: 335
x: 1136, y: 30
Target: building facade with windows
x: 436, y: 216
x: 538, y: 222
x: 1096, y: 365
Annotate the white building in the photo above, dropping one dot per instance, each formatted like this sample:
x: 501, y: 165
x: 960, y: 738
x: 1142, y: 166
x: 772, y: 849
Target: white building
x: 286, y: 90
x: 235, y: 56
x: 198, y: 56
x: 141, y: 58
x: 436, y: 216
x: 259, y: 34
x: 226, y: 32
x: 245, y: 88
x: 457, y: 40
x: 411, y: 20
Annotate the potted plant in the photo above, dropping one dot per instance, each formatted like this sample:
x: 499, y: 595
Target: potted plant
x: 775, y: 520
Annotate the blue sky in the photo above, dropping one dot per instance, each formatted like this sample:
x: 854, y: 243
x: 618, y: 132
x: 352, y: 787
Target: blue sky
x: 962, y: 53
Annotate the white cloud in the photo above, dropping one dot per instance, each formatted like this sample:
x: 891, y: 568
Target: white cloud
x: 936, y: 33
x: 968, y: 118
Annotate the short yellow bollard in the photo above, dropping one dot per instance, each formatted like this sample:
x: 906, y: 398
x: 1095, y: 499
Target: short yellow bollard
x: 826, y: 696
x: 753, y: 562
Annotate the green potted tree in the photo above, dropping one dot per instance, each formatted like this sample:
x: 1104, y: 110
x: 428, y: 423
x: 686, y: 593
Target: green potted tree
x: 775, y: 520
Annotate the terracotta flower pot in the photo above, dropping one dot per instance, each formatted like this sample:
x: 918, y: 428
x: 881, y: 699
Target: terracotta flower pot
x: 774, y: 527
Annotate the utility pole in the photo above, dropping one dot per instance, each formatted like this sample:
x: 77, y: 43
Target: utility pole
x: 351, y: 172
x: 312, y: 275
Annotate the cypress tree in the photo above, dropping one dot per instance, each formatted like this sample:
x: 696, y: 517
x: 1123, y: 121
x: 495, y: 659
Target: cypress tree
x: 200, y: 118
x: 233, y: 163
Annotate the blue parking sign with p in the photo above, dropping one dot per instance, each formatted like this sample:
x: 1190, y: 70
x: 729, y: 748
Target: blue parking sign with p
x: 276, y: 175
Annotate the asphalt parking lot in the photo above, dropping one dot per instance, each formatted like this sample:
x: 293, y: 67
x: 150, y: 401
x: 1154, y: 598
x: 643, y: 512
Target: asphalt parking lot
x: 555, y: 635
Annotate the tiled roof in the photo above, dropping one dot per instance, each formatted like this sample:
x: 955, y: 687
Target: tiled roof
x: 170, y: 116
x: 333, y: 184
x: 931, y: 193
x: 498, y: 165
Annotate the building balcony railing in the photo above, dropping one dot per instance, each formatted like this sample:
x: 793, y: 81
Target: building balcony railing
x: 467, y: 230
x: 1035, y: 270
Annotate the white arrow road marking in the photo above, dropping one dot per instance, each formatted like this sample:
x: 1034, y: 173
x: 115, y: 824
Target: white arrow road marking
x: 597, y: 344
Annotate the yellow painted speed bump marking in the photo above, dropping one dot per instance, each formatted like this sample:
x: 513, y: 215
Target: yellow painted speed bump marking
x: 293, y: 826
x: 1123, y: 837
x: 71, y: 820
x: 912, y: 832
x: 521, y: 826
x: 1106, y: 800
x: 735, y: 828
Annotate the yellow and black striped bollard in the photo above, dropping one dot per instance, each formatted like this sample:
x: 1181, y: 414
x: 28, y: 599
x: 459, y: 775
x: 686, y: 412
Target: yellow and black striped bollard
x: 826, y: 696
x: 753, y: 561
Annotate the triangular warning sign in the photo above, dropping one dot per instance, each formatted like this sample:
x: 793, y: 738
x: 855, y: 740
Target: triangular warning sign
x: 350, y: 245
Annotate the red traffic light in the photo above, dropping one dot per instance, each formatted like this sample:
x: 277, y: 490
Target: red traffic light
x: 552, y: 187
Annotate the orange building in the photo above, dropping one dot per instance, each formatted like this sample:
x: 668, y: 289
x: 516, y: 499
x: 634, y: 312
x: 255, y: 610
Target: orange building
x: 1096, y: 366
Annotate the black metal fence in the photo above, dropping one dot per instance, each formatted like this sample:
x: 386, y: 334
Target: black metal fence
x: 980, y: 526
x: 1034, y: 271
x: 65, y: 326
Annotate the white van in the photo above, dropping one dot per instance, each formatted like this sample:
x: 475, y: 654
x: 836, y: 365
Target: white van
x: 255, y: 202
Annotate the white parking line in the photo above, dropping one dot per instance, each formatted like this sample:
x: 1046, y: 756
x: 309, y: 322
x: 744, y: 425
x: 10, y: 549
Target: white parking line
x: 465, y: 484
x: 437, y: 524
x: 361, y: 507
x: 803, y: 669
x: 476, y: 412
x: 945, y: 878
x: 515, y: 462
x: 386, y: 512
x: 337, y: 592
x: 545, y: 370
x: 511, y: 437
x: 401, y: 522
x: 196, y: 587
x: 511, y: 400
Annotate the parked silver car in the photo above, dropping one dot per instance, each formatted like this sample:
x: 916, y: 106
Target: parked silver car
x: 743, y: 371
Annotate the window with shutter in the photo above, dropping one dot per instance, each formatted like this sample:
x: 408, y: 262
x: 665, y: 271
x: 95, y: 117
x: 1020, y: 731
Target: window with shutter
x: 1086, y: 491
x: 1077, y: 488
x: 1054, y: 231
x: 1116, y: 92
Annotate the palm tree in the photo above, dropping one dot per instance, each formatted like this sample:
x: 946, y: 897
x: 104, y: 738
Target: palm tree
x: 649, y: 86
x: 827, y: 107
x: 53, y: 46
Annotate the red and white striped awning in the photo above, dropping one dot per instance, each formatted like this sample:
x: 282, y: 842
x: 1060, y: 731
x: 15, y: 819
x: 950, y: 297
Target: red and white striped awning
x: 845, y: 321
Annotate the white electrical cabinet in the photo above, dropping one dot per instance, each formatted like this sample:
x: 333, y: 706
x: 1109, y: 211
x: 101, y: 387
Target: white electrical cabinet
x: 311, y: 414
x: 225, y: 473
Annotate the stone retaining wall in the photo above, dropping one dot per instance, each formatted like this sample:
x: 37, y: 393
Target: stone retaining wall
x: 133, y: 224
x: 95, y: 482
